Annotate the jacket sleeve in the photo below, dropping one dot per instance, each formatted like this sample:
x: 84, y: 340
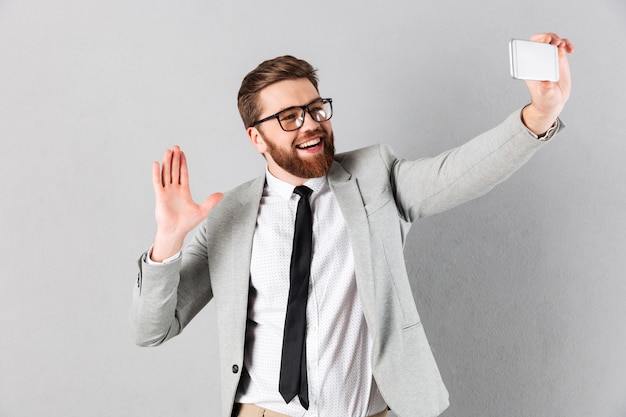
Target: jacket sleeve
x: 167, y: 296
x: 432, y: 185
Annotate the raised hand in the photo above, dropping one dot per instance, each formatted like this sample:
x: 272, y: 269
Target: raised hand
x: 175, y: 211
x: 548, y: 98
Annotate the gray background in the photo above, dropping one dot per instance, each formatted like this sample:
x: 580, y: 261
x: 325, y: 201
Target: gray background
x: 522, y: 292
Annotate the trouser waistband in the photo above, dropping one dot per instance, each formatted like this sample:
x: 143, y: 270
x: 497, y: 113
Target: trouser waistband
x: 253, y: 410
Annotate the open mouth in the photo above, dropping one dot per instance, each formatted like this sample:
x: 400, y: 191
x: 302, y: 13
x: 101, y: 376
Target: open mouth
x: 309, y: 144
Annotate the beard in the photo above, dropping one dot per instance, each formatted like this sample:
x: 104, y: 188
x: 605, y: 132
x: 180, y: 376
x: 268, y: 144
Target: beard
x: 313, y: 166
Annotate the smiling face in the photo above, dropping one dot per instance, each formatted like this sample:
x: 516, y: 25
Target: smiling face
x: 301, y: 154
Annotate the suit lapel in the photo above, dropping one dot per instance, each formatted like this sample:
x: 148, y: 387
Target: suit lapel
x: 348, y: 195
x: 242, y: 231
x: 245, y: 211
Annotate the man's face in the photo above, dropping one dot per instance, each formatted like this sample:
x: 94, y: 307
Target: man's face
x: 299, y: 155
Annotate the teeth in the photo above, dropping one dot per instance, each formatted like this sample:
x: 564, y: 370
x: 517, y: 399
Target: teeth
x: 309, y: 144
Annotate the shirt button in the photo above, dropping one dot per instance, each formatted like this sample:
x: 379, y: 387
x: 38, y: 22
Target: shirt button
x: 235, y: 369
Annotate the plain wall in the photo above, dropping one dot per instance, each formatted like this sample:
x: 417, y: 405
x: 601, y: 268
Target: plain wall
x: 522, y: 292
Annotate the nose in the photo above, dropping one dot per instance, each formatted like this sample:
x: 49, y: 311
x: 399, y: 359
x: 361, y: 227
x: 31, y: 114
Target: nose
x: 309, y: 123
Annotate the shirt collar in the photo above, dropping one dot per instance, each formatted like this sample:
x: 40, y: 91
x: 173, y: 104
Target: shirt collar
x: 285, y: 190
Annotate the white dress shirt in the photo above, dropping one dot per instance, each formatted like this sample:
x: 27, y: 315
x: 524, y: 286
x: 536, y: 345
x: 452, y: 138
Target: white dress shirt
x: 338, y: 344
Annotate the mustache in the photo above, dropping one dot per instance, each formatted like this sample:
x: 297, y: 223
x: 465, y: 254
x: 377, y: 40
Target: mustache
x: 315, y: 133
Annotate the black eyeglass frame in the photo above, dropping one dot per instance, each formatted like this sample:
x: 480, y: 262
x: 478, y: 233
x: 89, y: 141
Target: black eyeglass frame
x: 305, y: 110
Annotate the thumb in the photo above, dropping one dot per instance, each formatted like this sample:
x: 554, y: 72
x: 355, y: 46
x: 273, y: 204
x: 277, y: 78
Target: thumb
x: 211, y: 202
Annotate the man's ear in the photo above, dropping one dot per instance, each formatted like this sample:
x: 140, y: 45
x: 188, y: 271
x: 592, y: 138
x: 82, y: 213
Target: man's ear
x: 257, y: 139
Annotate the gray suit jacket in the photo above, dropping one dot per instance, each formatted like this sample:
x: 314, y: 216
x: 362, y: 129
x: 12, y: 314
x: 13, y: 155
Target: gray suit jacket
x: 379, y: 196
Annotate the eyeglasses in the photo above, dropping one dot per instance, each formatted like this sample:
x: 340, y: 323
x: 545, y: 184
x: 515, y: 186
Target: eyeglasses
x: 292, y: 118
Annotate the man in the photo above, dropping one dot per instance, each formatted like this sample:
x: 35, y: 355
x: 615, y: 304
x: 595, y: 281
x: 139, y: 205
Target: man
x: 314, y: 307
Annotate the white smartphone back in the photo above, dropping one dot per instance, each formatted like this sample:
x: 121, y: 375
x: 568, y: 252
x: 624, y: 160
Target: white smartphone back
x: 534, y: 60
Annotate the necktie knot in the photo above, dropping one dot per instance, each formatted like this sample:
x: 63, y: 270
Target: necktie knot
x: 303, y: 191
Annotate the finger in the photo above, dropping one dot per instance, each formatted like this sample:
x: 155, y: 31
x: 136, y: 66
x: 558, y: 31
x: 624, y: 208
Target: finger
x: 166, y: 171
x: 211, y: 202
x: 551, y: 38
x: 542, y: 37
x: 176, y: 165
x: 567, y: 46
x: 554, y: 39
x: 184, y: 173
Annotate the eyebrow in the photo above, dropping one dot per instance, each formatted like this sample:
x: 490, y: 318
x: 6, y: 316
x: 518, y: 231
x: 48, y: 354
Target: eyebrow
x: 304, y: 105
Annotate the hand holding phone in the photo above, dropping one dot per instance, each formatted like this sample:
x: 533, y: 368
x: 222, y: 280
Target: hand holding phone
x: 536, y: 61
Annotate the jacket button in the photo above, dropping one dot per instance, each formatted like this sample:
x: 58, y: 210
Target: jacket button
x: 235, y: 369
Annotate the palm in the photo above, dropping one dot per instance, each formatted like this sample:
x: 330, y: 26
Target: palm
x: 175, y: 211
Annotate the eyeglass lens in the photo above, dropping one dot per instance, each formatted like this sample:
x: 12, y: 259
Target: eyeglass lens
x: 293, y: 118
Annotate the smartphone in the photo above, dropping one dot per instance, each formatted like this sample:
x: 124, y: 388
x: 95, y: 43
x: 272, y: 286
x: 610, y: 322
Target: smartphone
x: 534, y: 60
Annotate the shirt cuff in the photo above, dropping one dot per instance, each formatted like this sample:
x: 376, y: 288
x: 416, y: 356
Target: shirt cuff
x: 549, y: 134
x: 556, y: 126
x: 169, y: 260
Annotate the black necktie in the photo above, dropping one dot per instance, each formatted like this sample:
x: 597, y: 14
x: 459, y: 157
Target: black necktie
x: 293, y: 377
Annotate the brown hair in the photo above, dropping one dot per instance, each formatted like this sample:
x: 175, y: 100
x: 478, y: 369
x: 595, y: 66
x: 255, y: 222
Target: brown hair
x: 269, y: 72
